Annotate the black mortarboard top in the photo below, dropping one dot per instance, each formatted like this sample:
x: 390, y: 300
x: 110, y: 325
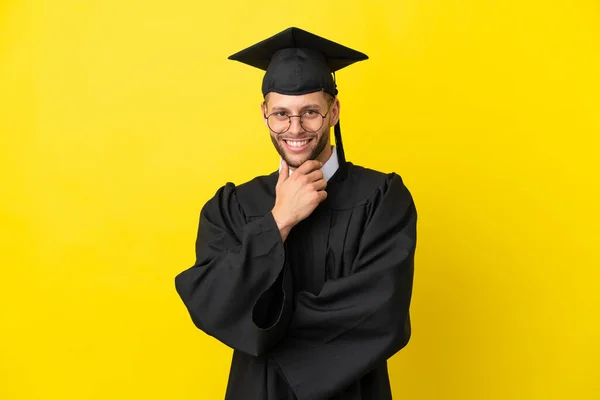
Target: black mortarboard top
x: 298, y: 62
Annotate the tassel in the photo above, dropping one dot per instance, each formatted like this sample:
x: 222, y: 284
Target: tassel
x: 339, y: 145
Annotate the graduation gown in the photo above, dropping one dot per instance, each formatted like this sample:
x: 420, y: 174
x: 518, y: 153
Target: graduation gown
x: 316, y: 317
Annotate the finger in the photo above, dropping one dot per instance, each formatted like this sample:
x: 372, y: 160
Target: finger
x: 309, y: 166
x: 284, y: 173
x: 315, y: 176
x: 320, y: 184
x: 322, y: 195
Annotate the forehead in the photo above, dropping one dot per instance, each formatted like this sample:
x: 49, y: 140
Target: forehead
x: 296, y: 102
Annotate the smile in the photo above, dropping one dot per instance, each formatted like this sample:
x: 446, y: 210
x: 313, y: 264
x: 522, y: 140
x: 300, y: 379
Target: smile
x: 297, y: 145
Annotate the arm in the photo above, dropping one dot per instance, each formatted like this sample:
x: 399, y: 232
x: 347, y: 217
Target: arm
x: 360, y: 320
x: 237, y: 291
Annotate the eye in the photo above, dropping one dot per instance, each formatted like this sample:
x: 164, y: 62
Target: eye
x: 278, y: 115
x: 311, y: 114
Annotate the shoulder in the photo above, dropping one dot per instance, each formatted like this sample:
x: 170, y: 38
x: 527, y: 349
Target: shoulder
x: 386, y: 196
x: 367, y: 185
x: 260, y: 185
x: 368, y: 177
x: 250, y: 198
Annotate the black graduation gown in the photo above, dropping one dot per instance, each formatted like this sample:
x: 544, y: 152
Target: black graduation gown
x: 315, y: 317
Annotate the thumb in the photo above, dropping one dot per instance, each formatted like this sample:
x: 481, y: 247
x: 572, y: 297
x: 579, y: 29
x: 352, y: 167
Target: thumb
x: 284, y: 173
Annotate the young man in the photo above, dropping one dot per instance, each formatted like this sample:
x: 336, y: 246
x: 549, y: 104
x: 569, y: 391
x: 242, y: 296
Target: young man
x: 307, y: 272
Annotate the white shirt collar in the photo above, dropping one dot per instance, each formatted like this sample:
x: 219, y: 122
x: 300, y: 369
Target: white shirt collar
x: 329, y: 168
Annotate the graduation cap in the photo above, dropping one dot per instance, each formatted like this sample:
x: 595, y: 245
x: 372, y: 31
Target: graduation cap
x: 298, y: 62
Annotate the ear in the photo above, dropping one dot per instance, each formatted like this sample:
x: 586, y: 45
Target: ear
x: 263, y: 109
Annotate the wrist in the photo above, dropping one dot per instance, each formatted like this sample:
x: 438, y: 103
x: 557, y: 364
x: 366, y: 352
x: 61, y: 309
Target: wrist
x: 285, y: 224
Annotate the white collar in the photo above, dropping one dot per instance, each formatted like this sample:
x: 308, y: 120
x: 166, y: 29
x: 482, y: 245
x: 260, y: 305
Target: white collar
x: 329, y: 168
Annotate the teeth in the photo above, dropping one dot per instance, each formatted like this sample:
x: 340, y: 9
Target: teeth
x: 297, y: 143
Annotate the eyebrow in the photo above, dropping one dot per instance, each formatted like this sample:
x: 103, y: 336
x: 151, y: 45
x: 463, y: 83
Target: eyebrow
x: 308, y: 106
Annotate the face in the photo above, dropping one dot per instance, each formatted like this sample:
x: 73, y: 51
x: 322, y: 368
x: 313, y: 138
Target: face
x: 298, y: 145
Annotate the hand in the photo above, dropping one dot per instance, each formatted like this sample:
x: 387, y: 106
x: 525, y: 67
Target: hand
x: 298, y: 195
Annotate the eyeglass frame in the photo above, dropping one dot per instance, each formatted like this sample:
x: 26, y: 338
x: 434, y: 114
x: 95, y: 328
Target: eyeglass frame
x: 266, y: 117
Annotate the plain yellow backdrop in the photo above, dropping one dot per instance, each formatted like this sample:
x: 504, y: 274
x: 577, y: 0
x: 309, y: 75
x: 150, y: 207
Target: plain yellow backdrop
x: 119, y: 119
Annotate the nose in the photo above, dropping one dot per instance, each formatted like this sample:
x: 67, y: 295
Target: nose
x: 295, y: 126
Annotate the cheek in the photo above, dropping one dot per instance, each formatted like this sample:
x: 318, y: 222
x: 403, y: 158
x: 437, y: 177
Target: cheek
x: 324, y: 134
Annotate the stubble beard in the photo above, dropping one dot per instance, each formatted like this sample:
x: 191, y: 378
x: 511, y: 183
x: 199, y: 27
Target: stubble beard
x: 315, y: 152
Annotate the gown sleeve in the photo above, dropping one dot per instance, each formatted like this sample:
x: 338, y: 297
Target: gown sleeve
x: 358, y: 321
x: 238, y: 289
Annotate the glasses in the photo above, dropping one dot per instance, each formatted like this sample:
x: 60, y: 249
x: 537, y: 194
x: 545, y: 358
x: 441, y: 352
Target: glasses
x: 311, y: 121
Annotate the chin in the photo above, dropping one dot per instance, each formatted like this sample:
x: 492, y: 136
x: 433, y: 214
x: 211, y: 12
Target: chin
x: 296, y: 160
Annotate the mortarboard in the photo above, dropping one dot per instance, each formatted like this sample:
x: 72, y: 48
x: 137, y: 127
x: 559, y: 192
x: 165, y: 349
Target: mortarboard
x: 298, y: 62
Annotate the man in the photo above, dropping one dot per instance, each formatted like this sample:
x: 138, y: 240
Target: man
x: 307, y: 272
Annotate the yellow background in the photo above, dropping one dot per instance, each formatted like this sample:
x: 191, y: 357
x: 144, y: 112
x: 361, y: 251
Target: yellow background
x: 119, y: 119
